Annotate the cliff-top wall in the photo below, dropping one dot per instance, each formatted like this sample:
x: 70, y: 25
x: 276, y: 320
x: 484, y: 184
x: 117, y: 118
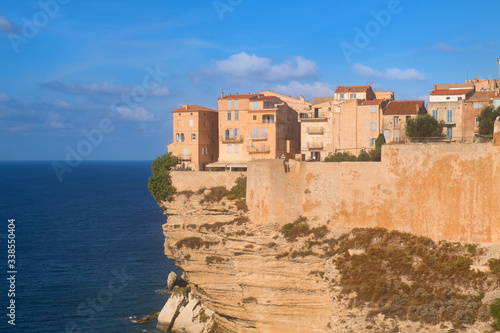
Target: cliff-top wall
x: 442, y: 191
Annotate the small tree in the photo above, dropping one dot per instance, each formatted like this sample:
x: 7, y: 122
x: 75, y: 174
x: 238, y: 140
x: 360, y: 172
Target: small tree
x: 376, y: 154
x: 160, y: 184
x: 424, y: 126
x: 239, y: 190
x: 487, y: 119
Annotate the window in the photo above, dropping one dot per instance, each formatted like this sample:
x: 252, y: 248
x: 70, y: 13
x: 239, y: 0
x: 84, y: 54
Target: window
x: 204, y: 151
x: 177, y: 137
x: 477, y: 122
x: 396, y: 121
x: 255, y: 105
x: 372, y: 142
x: 193, y: 137
x: 263, y: 132
x: 435, y: 114
x: 229, y: 104
x: 449, y: 116
x: 236, y: 132
x: 236, y: 115
x: 374, y: 127
x: 254, y: 117
x: 447, y: 97
x: 374, y: 109
x: 449, y: 133
x: 396, y: 134
x: 254, y: 132
x: 386, y: 135
x: 477, y: 105
x: 353, y: 96
x: 191, y: 122
x: 182, y: 137
x: 228, y: 148
x: 228, y: 134
x: 229, y: 116
x: 237, y: 148
x: 236, y: 104
x: 341, y: 96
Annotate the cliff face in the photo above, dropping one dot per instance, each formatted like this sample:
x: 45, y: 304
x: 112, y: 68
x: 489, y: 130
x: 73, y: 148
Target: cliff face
x: 257, y: 280
x: 230, y: 264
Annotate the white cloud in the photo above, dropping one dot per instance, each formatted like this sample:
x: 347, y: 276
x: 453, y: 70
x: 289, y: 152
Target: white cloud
x: 60, y: 103
x: 106, y: 89
x: 295, y: 88
x: 6, y: 26
x: 242, y: 67
x: 137, y: 115
x: 443, y: 47
x: 390, y: 73
x: 4, y: 97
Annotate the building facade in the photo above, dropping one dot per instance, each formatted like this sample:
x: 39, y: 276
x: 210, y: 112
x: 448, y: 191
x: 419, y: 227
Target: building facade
x: 396, y: 116
x: 255, y: 126
x: 195, y: 140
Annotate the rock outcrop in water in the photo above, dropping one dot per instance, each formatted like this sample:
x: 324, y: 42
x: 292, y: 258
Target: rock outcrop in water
x: 257, y: 278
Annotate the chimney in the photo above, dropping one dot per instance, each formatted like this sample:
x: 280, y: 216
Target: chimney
x: 184, y: 106
x: 221, y: 94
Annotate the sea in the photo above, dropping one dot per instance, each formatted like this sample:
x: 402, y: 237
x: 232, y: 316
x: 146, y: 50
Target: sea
x: 89, y: 251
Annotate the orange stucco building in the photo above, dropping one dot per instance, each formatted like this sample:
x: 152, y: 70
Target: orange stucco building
x: 195, y: 140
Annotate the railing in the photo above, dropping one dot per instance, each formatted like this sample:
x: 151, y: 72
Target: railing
x: 407, y: 140
x: 258, y: 150
x: 231, y: 139
x: 315, y: 145
x: 311, y: 116
x: 268, y: 121
x: 315, y: 130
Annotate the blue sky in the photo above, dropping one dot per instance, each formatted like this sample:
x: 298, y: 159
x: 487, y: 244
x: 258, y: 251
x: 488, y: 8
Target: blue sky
x: 115, y: 69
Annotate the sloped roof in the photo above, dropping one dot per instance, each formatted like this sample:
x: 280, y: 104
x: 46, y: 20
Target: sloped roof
x: 404, y: 108
x: 193, y: 108
x: 482, y: 96
x: 451, y: 91
x: 372, y: 102
x: 354, y: 89
x: 239, y: 96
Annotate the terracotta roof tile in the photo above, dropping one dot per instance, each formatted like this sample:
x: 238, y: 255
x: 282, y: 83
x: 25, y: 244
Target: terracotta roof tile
x: 398, y: 108
x: 451, y: 91
x: 372, y: 102
x: 193, y: 108
x: 482, y: 96
x: 354, y: 89
x: 240, y: 96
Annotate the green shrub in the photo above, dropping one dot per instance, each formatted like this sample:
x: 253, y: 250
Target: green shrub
x: 299, y: 228
x: 364, y: 157
x: 160, y: 183
x: 341, y: 157
x: 424, y: 126
x: 495, y: 313
x: 239, y: 190
x: 216, y: 194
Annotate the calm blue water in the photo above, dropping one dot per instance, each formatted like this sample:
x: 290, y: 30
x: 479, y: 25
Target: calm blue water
x: 89, y: 250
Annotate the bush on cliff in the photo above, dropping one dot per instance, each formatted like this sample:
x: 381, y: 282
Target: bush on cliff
x: 160, y: 184
x: 239, y: 190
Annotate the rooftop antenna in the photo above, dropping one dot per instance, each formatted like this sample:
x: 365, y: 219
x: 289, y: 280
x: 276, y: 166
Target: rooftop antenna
x: 467, y: 75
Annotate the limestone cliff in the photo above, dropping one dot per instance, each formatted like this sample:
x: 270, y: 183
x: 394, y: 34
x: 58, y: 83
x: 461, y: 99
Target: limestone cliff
x: 257, y: 278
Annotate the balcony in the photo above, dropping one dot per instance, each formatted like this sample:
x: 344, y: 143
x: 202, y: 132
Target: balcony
x: 258, y: 150
x: 315, y: 145
x: 314, y: 116
x: 315, y: 130
x: 231, y: 139
x: 184, y: 157
x: 257, y: 138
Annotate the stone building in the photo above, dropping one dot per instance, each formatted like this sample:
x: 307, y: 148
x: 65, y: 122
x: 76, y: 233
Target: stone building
x: 395, y: 117
x: 253, y: 127
x: 195, y: 136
